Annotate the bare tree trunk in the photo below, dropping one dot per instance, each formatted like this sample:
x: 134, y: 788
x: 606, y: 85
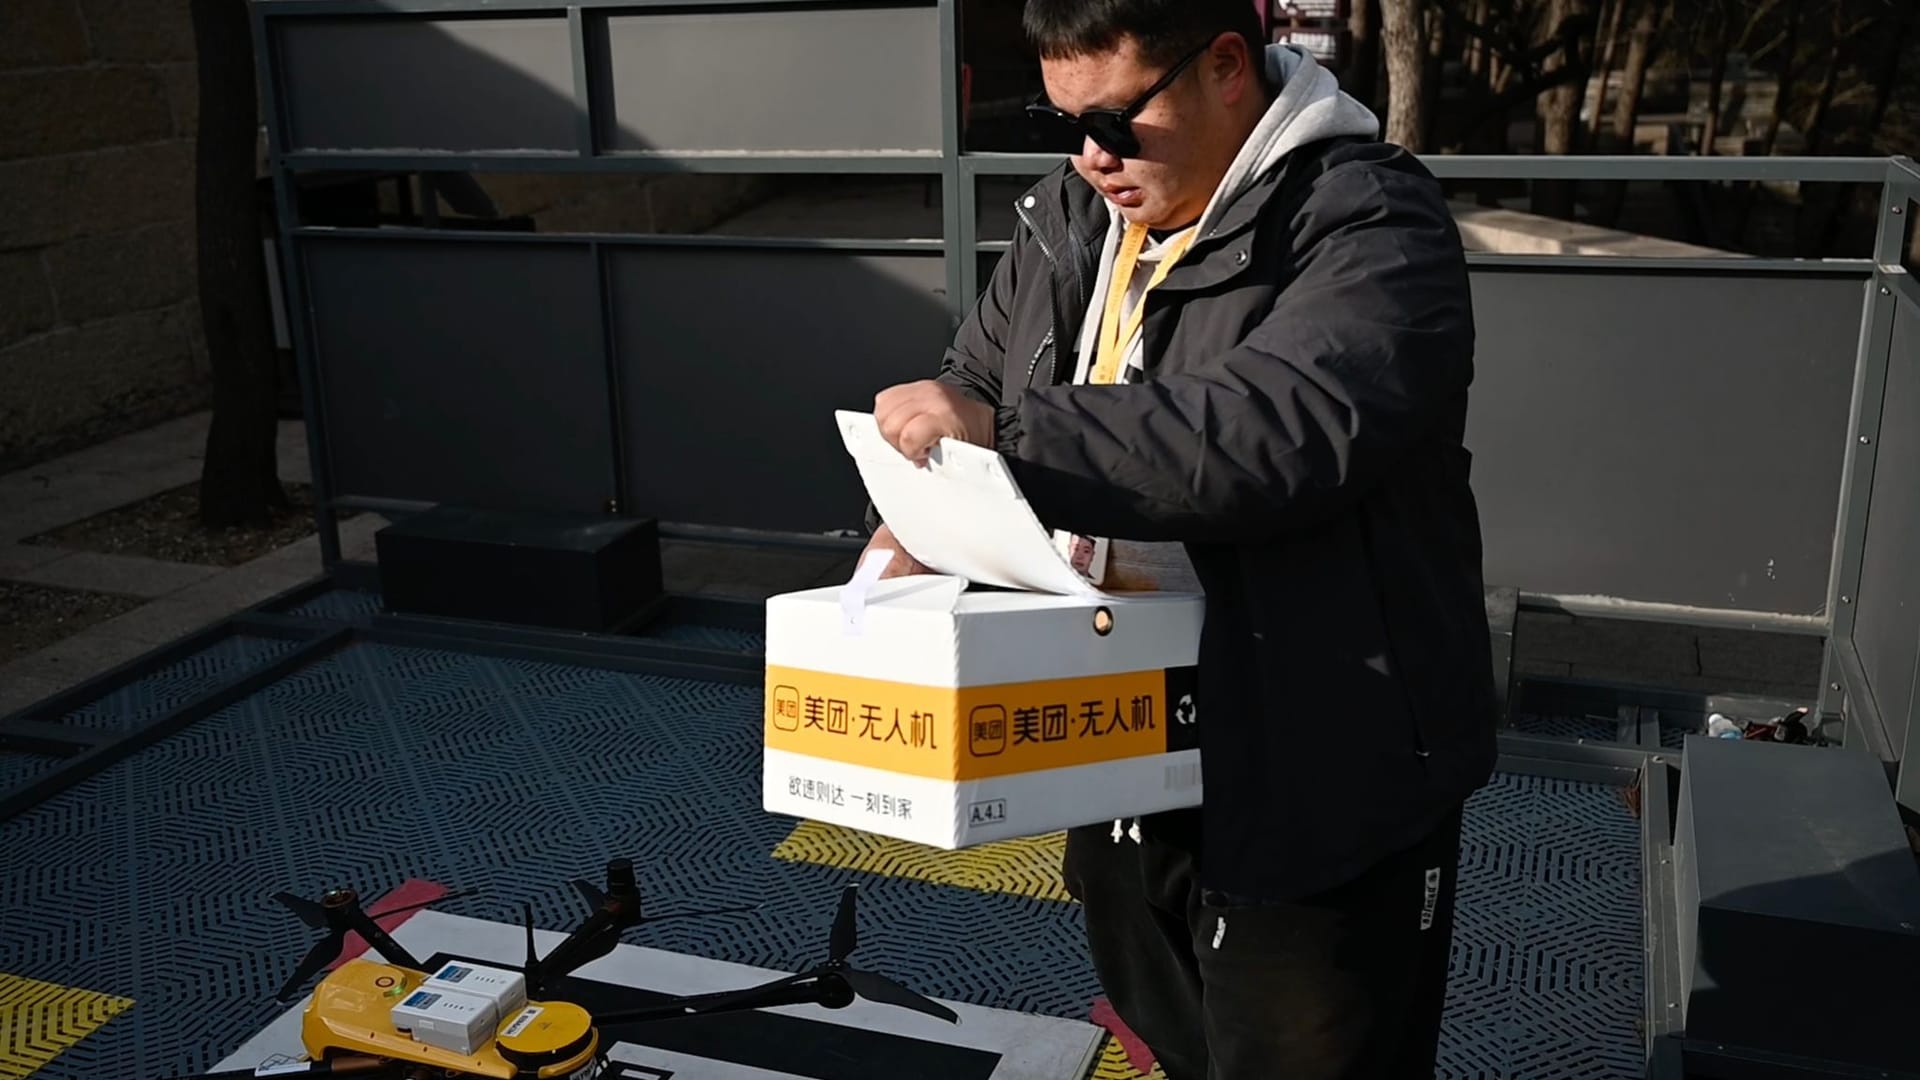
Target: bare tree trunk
x: 1597, y: 121
x: 1477, y: 49
x: 1717, y: 82
x: 1440, y: 24
x: 239, y: 480
x: 1902, y: 31
x: 1406, y: 72
x: 1363, y: 70
x: 1788, y: 73
x: 1790, y: 45
x: 1558, y: 109
x: 1633, y: 81
x: 1813, y: 235
x: 1829, y: 83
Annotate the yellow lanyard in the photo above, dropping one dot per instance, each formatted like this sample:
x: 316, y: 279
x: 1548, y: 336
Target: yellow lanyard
x: 1113, y: 336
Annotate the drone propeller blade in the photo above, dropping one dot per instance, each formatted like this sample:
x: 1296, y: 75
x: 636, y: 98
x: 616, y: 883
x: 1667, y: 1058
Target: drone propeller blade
x: 323, y: 953
x: 371, y: 933
x: 533, y: 957
x: 595, y: 898
x: 455, y: 895
x: 309, y: 912
x: 881, y: 989
x: 845, y: 933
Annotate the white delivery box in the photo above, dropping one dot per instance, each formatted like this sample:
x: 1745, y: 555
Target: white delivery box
x: 1004, y: 696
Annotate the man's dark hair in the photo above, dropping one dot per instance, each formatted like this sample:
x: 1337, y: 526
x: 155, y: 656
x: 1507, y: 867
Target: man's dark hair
x: 1165, y: 29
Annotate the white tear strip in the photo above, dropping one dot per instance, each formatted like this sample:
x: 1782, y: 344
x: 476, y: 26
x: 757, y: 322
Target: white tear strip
x: 1220, y: 931
x: 853, y: 598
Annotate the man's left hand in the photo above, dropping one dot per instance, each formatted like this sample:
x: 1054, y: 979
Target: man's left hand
x: 915, y: 416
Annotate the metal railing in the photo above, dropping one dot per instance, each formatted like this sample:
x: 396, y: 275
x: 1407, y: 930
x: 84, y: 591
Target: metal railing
x: 1888, y: 290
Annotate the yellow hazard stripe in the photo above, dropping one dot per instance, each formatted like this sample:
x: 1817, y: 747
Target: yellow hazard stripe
x: 967, y: 733
x: 40, y: 1020
x: 1024, y: 867
x: 1113, y: 1065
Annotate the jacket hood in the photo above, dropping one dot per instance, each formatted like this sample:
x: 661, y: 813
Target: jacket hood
x: 1310, y: 107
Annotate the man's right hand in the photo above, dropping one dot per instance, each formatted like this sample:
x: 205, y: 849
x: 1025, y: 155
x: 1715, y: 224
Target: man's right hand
x: 902, y: 563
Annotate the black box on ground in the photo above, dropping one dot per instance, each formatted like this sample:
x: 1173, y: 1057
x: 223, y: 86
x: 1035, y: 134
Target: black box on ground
x: 1799, y: 904
x: 566, y: 571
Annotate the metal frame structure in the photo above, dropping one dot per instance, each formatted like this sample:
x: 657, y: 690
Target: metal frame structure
x: 1845, y: 687
x: 1888, y: 286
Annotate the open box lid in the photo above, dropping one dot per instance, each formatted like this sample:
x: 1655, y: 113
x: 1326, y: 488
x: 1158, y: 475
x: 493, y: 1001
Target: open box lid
x: 961, y: 514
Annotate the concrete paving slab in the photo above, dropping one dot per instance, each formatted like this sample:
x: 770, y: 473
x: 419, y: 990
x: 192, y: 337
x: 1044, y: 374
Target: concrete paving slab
x: 17, y: 559
x: 167, y: 620
x: 290, y: 454
x: 19, y: 691
x: 128, y: 575
x: 79, y: 657
x: 356, y: 539
x: 244, y: 586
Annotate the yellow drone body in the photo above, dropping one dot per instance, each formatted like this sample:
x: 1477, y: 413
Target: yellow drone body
x: 350, y: 1015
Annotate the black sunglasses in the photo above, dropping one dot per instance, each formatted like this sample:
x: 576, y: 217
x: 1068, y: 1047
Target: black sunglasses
x: 1065, y: 133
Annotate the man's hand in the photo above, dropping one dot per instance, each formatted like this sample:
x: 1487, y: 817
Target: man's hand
x: 915, y: 416
x: 902, y: 563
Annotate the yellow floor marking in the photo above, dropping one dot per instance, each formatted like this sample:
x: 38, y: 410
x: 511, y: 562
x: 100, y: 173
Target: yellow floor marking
x: 1025, y: 867
x: 1113, y: 1065
x: 39, y: 1021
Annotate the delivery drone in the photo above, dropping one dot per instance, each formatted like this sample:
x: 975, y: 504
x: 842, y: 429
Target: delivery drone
x: 392, y: 1018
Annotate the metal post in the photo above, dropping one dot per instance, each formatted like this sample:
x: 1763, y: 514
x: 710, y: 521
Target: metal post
x: 952, y: 184
x: 582, y: 88
x: 1856, y: 478
x: 293, y: 284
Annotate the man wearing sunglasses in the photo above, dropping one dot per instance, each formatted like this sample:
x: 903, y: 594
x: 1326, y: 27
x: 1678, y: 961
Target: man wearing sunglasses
x: 1229, y: 350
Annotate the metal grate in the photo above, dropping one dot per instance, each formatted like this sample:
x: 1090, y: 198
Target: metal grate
x: 725, y: 638
x: 1590, y: 728
x: 19, y: 768
x: 1673, y: 734
x: 339, y: 605
x: 1547, y: 971
x: 151, y: 697
x: 377, y: 765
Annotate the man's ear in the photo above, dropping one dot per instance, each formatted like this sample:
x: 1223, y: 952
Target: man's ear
x: 1232, y: 68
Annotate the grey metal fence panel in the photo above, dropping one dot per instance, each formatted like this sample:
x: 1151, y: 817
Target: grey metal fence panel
x: 1886, y: 628
x: 731, y: 362
x: 795, y: 79
x: 1672, y: 439
x: 397, y: 83
x: 464, y: 372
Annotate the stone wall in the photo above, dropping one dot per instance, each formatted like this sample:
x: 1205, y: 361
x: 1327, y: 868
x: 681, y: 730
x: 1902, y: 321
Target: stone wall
x: 99, y: 327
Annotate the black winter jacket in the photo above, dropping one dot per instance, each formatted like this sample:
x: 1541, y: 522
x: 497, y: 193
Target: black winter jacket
x: 1300, y: 429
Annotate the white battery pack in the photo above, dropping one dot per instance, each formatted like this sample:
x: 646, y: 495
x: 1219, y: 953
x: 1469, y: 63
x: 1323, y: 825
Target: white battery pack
x: 447, y: 1019
x: 506, y: 989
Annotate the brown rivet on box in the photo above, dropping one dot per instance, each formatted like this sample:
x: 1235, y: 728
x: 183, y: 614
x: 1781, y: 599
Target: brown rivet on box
x: 1103, y: 622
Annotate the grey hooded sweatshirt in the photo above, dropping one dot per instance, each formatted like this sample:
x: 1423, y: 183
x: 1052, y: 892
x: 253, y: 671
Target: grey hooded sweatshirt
x: 1310, y: 106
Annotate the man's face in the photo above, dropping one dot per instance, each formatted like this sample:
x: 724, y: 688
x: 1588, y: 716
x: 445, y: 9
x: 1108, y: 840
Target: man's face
x: 1185, y: 132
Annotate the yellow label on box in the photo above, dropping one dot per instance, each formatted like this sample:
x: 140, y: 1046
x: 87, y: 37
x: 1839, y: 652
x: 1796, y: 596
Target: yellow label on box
x: 972, y: 732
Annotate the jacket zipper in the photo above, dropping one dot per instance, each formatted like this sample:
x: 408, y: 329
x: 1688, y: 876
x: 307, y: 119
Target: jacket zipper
x: 1053, y: 316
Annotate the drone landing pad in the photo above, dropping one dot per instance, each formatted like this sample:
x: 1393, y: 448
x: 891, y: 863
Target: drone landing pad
x: 802, y: 1042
